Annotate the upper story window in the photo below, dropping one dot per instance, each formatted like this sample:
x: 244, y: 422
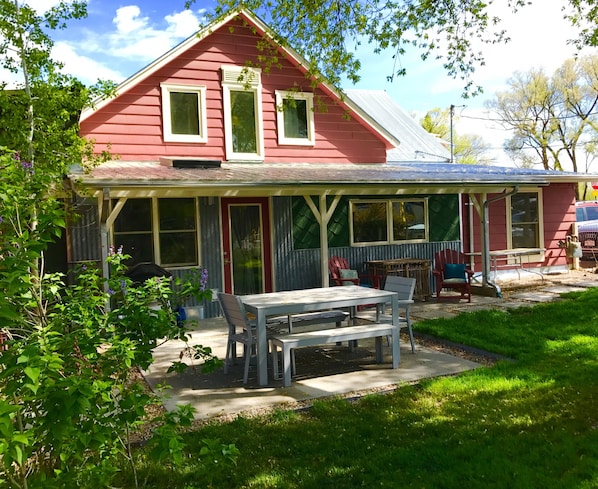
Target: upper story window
x: 243, y: 125
x: 295, y: 118
x: 184, y: 113
x: 388, y: 221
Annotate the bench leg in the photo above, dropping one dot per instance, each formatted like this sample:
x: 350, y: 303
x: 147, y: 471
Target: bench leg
x: 274, y: 354
x: 396, y: 352
x: 286, y: 365
x: 379, y: 350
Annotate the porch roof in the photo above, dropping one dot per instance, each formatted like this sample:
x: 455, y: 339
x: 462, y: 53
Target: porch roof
x: 143, y: 178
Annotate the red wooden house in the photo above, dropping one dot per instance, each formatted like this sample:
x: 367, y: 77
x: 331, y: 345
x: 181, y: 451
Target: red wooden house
x: 259, y: 176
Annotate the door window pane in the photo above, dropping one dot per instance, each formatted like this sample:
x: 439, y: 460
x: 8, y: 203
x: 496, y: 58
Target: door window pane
x: 246, y: 249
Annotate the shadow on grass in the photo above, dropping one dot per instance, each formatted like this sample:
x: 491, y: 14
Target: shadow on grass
x: 529, y: 423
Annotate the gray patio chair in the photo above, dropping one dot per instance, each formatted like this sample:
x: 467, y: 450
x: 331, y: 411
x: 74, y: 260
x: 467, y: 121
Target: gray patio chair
x: 240, y: 330
x: 404, y: 287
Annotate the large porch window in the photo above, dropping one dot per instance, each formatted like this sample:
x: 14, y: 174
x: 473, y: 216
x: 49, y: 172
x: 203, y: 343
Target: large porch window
x: 162, y: 231
x: 388, y: 221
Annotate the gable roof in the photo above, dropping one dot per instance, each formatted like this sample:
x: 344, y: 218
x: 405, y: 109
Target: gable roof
x: 262, y: 29
x: 417, y: 144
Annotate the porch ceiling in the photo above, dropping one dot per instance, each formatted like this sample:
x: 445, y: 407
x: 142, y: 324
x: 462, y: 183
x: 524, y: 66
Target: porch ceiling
x: 144, y: 179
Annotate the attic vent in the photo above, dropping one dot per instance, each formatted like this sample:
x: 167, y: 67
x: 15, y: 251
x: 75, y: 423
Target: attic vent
x: 239, y: 75
x: 190, y: 163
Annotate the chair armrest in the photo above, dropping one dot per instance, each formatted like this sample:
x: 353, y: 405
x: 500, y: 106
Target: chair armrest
x: 341, y: 281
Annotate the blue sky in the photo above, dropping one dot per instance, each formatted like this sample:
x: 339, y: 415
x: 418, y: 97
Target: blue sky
x: 120, y: 37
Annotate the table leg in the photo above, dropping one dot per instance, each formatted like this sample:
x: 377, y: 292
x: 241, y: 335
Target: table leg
x: 396, y: 351
x: 262, y: 350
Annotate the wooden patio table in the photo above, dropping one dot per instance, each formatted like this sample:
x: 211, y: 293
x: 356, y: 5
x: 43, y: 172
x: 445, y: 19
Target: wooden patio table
x: 318, y: 299
x: 406, y: 267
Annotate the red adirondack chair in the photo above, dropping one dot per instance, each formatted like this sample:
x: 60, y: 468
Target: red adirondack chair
x: 338, y: 263
x: 451, y: 272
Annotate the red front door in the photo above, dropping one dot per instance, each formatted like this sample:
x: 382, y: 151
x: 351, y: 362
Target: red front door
x: 247, y: 246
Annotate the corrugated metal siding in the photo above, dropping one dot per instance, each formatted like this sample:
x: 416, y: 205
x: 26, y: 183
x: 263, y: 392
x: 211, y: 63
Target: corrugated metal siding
x: 84, y: 234
x: 301, y: 269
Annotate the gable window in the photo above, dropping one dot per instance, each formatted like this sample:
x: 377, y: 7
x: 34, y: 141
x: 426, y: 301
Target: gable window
x: 295, y: 118
x: 388, y: 221
x: 242, y: 101
x: 525, y: 230
x: 162, y: 231
x: 184, y: 117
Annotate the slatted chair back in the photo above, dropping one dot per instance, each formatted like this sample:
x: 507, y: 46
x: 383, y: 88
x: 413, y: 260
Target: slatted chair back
x: 240, y: 330
x: 460, y: 283
x: 448, y: 256
x: 335, y: 265
x: 405, y: 288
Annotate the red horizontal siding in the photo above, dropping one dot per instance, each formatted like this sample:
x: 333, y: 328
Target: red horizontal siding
x: 558, y: 214
x: 132, y: 122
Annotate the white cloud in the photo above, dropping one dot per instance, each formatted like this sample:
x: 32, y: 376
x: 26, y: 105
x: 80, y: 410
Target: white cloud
x: 135, y: 40
x: 128, y: 20
x: 182, y: 24
x: 42, y: 6
x: 84, y: 68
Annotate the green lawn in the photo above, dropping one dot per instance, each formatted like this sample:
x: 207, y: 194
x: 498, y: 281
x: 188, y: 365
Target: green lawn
x: 527, y: 423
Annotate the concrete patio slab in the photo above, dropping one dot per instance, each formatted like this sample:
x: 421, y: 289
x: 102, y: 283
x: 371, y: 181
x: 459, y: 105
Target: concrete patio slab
x: 217, y: 394
x: 340, y: 372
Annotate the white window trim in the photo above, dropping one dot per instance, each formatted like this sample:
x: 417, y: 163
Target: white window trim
x: 389, y: 230
x: 539, y: 257
x: 156, y: 232
x: 281, y: 95
x: 238, y: 78
x: 200, y: 91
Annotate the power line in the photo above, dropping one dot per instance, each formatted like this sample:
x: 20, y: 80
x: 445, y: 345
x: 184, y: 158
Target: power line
x: 490, y: 119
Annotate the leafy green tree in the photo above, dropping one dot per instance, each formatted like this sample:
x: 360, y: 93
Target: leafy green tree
x: 468, y: 149
x: 67, y: 403
x: 326, y: 32
x: 553, y: 116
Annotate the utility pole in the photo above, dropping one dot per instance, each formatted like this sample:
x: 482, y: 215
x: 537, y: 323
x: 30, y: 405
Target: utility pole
x: 451, y: 112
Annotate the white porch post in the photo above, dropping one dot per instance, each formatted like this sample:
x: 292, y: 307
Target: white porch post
x: 323, y: 216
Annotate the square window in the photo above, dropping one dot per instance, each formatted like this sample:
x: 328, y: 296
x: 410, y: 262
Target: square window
x: 184, y: 113
x: 369, y: 222
x: 295, y: 118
